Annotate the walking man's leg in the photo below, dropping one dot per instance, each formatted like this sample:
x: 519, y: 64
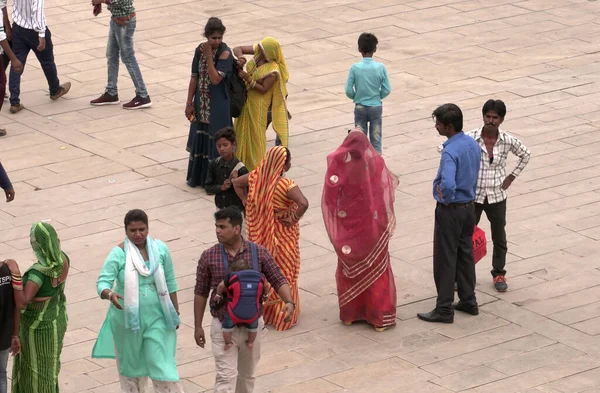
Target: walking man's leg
x: 226, y: 362
x: 21, y: 48
x: 248, y: 358
x: 111, y: 93
x: 125, y: 37
x: 46, y: 59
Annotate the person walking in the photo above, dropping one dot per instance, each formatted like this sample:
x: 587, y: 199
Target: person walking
x: 120, y: 44
x: 138, y: 280
x: 454, y: 192
x: 236, y: 366
x: 30, y: 33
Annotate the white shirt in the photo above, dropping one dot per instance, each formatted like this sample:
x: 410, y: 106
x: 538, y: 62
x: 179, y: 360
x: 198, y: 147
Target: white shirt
x: 29, y: 14
x: 492, y: 174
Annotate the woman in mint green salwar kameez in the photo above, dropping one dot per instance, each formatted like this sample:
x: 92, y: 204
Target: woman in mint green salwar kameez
x: 140, y: 327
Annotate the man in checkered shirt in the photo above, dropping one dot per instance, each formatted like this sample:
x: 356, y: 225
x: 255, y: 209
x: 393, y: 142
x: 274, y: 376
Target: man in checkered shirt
x: 490, y: 195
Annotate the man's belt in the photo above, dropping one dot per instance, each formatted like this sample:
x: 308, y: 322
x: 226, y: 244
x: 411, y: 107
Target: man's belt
x: 123, y: 19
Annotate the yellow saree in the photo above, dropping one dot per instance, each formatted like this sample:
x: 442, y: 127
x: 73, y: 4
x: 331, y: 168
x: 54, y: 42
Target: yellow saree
x: 251, y: 125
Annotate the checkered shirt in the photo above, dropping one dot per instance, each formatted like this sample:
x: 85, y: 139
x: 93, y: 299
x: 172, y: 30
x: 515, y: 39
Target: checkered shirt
x: 492, y: 175
x: 121, y: 8
x: 211, y: 272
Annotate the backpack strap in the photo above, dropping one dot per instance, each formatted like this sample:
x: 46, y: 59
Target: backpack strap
x: 225, y: 258
x: 220, y: 51
x: 254, y: 251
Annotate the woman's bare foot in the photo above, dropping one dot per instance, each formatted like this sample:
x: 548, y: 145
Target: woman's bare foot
x: 250, y: 344
x: 227, y: 346
x: 347, y: 323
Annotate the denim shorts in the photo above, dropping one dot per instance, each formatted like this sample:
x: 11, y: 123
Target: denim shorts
x: 228, y: 324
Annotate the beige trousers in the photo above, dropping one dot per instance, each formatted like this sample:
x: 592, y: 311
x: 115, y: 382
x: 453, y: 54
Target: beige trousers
x: 236, y: 366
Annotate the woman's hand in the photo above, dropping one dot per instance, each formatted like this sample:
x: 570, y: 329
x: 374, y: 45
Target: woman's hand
x: 189, y: 112
x: 243, y: 74
x: 206, y: 50
x: 15, y: 346
x: 114, y: 299
x: 287, y: 221
x: 241, y: 62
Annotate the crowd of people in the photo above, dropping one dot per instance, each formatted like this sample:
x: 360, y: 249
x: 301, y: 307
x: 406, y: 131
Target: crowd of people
x: 249, y: 279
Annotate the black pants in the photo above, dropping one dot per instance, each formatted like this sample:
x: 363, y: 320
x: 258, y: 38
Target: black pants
x: 496, y: 214
x: 453, y: 255
x: 24, y: 41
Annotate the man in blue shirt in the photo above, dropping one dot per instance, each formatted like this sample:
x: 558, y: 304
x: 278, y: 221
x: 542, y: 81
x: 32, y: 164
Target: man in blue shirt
x: 454, y: 191
x: 367, y: 85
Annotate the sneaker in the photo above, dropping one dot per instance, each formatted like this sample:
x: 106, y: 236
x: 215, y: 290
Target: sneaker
x: 16, y: 108
x: 2, y: 131
x: 64, y: 89
x: 500, y: 284
x: 106, y: 99
x: 138, y: 103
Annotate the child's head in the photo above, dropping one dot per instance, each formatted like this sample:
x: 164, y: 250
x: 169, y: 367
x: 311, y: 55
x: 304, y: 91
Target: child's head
x: 238, y: 265
x: 367, y: 44
x: 225, y: 139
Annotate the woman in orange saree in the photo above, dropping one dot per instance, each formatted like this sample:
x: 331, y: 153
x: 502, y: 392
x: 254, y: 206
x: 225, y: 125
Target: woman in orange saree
x: 274, y: 206
x: 358, y: 209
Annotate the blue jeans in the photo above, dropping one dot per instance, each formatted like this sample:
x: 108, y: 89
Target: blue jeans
x: 368, y: 118
x: 3, y: 365
x: 120, y: 42
x: 228, y: 325
x: 24, y: 41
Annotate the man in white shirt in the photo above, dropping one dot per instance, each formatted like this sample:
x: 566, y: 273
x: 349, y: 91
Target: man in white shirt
x: 492, y: 183
x: 30, y: 33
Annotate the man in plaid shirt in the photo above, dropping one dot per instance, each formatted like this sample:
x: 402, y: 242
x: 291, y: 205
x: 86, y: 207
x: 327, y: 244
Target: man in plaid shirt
x: 490, y: 196
x: 236, y: 366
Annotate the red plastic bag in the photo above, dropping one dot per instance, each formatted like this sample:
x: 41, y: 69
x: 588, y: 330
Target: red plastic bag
x: 479, y: 244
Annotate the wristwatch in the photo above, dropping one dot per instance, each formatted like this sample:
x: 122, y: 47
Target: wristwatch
x: 292, y: 303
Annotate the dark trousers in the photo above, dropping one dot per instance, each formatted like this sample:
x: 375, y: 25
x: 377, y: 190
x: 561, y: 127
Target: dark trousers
x: 453, y: 255
x: 24, y: 41
x: 496, y: 214
x: 2, y: 82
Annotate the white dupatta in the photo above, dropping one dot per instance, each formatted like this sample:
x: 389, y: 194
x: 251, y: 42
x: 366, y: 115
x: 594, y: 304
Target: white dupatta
x: 134, y: 265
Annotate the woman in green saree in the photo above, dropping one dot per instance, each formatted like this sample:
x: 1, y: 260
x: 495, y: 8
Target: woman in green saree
x: 44, y: 318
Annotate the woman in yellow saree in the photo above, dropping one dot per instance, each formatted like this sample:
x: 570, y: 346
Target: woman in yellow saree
x: 266, y: 78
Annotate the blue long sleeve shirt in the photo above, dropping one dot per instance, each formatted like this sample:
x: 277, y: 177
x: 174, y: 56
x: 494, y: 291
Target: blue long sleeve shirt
x: 368, y: 83
x: 458, y: 171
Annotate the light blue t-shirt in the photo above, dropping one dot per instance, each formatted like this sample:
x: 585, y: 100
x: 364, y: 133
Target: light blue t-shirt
x: 368, y: 83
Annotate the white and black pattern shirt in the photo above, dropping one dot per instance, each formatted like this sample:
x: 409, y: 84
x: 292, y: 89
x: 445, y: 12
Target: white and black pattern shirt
x: 492, y: 170
x: 29, y: 14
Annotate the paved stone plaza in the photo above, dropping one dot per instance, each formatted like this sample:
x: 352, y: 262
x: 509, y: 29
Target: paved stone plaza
x: 83, y: 167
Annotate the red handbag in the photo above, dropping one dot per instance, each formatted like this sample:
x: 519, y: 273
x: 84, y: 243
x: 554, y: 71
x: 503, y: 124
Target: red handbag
x: 479, y: 244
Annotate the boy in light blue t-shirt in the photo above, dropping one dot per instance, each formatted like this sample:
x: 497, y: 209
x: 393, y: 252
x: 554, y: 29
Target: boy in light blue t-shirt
x: 367, y: 85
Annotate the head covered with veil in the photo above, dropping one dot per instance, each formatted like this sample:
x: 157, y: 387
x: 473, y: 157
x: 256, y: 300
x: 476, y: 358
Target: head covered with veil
x: 358, y: 201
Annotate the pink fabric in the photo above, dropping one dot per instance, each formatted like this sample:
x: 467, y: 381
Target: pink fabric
x: 358, y: 210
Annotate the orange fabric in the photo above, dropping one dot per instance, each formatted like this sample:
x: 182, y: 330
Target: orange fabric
x: 259, y: 205
x: 288, y: 257
x: 267, y: 202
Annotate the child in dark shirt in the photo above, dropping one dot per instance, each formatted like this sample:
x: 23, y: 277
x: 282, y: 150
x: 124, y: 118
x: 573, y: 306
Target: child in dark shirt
x: 223, y: 169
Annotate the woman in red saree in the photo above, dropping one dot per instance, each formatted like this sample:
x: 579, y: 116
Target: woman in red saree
x: 358, y: 209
